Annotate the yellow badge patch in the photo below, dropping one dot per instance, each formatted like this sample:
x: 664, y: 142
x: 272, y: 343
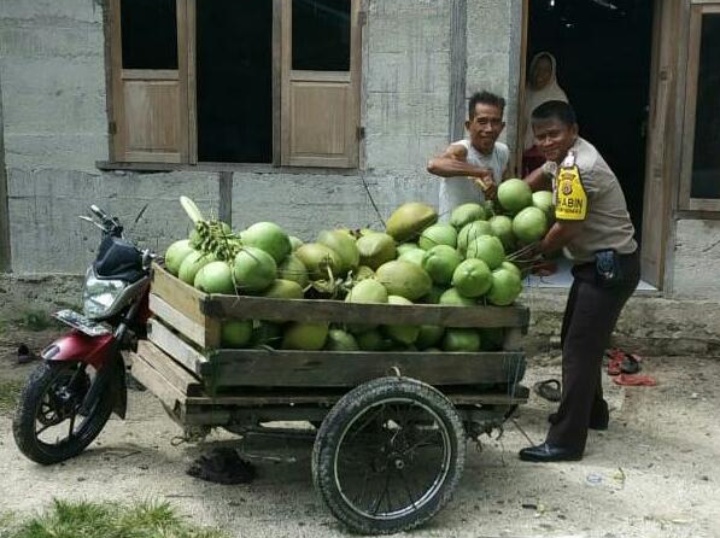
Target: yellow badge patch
x: 570, y: 196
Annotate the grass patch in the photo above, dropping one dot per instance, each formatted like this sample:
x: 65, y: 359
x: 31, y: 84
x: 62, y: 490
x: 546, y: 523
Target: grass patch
x: 37, y: 320
x: 9, y: 394
x: 103, y: 520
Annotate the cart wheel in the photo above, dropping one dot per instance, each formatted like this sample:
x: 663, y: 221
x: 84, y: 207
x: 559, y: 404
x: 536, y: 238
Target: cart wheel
x: 389, y: 455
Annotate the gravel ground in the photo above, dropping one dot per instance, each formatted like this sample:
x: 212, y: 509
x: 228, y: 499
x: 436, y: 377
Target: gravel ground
x: 654, y: 474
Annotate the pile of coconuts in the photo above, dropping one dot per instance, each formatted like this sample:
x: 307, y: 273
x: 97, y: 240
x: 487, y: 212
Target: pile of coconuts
x: 414, y: 260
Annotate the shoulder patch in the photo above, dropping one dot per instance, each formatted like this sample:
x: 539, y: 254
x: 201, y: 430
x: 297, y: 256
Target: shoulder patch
x: 571, y: 198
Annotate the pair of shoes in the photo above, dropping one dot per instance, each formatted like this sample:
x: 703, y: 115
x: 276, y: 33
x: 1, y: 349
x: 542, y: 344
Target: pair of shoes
x: 548, y: 389
x: 547, y: 452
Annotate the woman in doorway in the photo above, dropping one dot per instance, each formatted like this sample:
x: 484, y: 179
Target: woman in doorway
x: 542, y: 86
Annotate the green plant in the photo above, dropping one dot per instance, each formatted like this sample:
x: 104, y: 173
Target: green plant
x: 100, y: 520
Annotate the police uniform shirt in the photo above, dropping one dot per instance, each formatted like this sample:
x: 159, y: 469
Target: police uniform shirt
x: 606, y: 221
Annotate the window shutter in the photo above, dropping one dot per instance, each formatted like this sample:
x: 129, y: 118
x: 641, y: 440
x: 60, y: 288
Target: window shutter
x: 320, y: 109
x: 150, y: 106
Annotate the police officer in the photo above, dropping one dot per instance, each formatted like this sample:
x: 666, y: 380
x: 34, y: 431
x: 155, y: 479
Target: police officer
x: 594, y: 228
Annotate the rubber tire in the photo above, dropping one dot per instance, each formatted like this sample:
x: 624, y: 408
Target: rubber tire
x: 343, y: 413
x: 24, y: 421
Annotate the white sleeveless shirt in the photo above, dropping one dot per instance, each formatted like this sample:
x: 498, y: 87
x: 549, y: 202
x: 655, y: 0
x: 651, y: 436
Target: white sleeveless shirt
x: 455, y: 191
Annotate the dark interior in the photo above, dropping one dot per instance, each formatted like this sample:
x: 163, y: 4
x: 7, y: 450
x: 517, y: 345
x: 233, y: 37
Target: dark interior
x: 234, y: 81
x: 603, y: 52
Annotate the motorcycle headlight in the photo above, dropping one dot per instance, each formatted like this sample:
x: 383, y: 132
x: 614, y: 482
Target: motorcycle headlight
x: 99, y: 296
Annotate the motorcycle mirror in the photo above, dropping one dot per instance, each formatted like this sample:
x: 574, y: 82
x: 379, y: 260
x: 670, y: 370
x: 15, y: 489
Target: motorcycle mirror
x: 91, y: 221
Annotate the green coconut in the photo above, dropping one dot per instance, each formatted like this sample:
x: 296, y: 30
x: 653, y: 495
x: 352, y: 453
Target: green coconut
x: 269, y: 237
x: 236, y: 333
x: 339, y: 340
x: 511, y: 267
x: 472, y: 278
x: 373, y: 340
x: 408, y: 220
x: 415, y: 256
x: 472, y: 231
x: 404, y: 279
x: 376, y: 249
x: 529, y: 225
x: 487, y: 248
x: 367, y: 291
x: 457, y: 339
x: 429, y: 336
x: 506, y: 287
x: 501, y: 226
x: 467, y: 213
x: 254, y: 270
x: 363, y: 272
x: 406, y: 247
x: 513, y: 195
x: 440, y: 262
x: 215, y: 277
x: 283, y: 289
x: 292, y: 268
x: 318, y: 259
x: 175, y: 254
x: 295, y: 243
x: 403, y: 334
x: 438, y: 234
x: 344, y: 245
x: 305, y: 336
x: 192, y: 263
x: 544, y: 200
x: 451, y: 297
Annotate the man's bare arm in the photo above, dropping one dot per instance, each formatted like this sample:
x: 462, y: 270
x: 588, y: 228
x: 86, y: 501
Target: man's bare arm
x: 453, y: 163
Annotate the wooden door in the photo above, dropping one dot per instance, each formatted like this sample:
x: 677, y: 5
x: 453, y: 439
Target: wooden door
x: 150, y: 105
x: 319, y: 108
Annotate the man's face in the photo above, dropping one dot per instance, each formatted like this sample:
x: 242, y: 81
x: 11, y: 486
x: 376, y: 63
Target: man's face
x: 554, y: 138
x: 485, y: 127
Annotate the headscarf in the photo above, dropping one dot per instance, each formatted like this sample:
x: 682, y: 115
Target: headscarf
x: 534, y: 97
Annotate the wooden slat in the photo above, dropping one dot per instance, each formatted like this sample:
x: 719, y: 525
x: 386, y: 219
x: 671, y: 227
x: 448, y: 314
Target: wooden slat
x: 317, y: 310
x: 179, y: 321
x: 161, y: 388
x: 466, y: 397
x: 262, y: 368
x: 173, y: 345
x: 177, y: 294
x: 176, y: 375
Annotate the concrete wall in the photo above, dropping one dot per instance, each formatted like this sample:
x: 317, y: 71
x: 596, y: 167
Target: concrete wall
x: 52, y: 86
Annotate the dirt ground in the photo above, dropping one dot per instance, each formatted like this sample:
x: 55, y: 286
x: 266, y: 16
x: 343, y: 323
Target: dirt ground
x: 654, y: 474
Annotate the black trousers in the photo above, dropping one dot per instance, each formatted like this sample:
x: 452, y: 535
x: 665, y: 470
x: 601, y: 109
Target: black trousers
x: 589, y: 320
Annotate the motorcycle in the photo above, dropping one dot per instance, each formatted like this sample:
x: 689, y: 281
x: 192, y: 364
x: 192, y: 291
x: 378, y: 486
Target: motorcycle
x: 69, y: 398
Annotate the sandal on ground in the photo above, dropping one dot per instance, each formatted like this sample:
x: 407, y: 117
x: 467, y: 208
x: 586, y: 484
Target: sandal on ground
x: 622, y: 362
x: 634, y: 380
x: 548, y: 389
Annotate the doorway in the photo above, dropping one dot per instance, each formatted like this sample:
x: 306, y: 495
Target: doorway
x: 603, y: 52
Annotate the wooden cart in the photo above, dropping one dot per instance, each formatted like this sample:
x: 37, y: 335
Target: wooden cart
x: 392, y: 426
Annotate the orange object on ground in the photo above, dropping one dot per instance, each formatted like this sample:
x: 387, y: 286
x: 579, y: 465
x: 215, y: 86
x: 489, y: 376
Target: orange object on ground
x: 634, y: 380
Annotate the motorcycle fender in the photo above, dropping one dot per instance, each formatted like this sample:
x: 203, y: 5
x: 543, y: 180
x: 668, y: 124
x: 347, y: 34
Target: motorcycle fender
x: 77, y: 346
x: 96, y: 351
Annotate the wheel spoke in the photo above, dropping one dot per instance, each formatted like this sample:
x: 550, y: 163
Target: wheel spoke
x: 382, y: 495
x: 407, y: 488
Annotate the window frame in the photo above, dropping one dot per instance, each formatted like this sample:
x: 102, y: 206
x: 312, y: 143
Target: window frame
x: 686, y: 201
x: 282, y: 78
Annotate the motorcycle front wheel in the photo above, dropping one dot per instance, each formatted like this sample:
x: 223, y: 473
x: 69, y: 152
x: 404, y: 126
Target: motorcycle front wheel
x: 48, y: 425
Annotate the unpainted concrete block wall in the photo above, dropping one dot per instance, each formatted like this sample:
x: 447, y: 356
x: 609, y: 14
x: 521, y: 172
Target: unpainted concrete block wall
x: 697, y: 259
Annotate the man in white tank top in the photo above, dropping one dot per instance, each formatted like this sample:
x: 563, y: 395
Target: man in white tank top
x: 472, y: 168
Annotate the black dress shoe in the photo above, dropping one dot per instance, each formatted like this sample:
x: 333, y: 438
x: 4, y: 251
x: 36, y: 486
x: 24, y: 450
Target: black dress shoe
x: 547, y: 452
